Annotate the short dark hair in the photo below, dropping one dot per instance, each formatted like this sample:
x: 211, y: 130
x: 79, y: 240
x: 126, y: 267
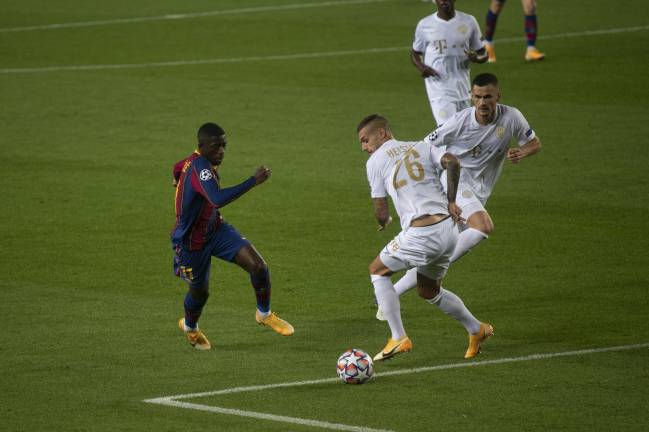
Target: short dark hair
x: 380, y: 121
x: 484, y: 79
x: 209, y: 130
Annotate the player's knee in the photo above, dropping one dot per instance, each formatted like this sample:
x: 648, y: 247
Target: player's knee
x: 259, y: 267
x: 481, y: 221
x: 427, y: 291
x: 529, y: 7
x: 377, y: 268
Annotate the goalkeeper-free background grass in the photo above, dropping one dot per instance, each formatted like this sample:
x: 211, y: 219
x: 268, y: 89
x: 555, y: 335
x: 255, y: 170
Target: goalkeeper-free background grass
x: 90, y: 304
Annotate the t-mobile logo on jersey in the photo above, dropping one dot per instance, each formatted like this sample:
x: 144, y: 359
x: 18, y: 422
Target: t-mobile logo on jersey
x: 440, y: 45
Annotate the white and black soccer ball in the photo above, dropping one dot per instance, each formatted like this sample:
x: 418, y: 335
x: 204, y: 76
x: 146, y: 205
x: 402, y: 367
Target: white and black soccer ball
x: 354, y: 366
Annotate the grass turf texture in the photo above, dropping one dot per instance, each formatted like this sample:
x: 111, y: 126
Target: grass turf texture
x: 91, y: 305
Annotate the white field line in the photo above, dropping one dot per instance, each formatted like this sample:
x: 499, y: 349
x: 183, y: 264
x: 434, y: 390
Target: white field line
x: 167, y: 17
x: 272, y: 417
x: 174, y: 401
x: 199, y: 62
x: 298, y: 56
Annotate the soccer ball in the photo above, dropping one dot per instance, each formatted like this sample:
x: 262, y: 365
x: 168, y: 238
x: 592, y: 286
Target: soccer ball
x: 354, y: 366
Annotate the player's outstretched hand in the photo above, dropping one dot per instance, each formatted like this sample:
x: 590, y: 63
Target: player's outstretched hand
x: 455, y: 211
x: 387, y: 222
x: 262, y: 174
x: 514, y: 155
x: 428, y: 71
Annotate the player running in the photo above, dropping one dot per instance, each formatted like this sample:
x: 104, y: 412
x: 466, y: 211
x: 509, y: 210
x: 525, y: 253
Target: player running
x: 445, y: 45
x: 532, y: 53
x: 201, y: 233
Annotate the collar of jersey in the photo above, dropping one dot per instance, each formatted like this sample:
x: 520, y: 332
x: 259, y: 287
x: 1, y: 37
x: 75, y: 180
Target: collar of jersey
x: 438, y: 19
x: 474, y: 121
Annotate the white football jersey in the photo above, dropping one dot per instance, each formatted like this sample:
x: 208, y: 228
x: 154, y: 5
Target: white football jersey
x: 481, y: 149
x: 443, y: 44
x: 409, y: 172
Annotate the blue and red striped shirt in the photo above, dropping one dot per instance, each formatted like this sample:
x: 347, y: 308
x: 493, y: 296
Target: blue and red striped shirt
x: 198, y: 199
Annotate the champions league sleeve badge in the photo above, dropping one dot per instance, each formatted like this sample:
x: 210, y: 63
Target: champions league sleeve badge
x: 205, y: 175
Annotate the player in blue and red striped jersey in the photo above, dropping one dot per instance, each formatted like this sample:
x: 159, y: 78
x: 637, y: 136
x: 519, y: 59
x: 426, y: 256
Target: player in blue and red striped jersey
x: 201, y: 233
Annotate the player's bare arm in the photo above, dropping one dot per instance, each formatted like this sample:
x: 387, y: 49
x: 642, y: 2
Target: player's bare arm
x: 479, y: 56
x: 452, y: 166
x: 381, y: 212
x: 418, y: 60
x: 262, y: 174
x: 515, y: 155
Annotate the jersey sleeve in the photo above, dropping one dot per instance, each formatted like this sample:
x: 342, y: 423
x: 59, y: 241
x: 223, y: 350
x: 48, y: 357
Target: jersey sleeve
x: 475, y: 41
x: 522, y: 130
x: 419, y: 43
x: 204, y: 182
x: 436, y: 154
x: 443, y: 135
x: 377, y: 186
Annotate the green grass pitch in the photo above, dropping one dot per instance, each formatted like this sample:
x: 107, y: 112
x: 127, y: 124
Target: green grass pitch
x: 89, y: 301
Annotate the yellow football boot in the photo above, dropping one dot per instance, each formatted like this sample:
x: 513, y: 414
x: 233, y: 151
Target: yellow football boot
x: 491, y: 52
x: 196, y: 338
x: 394, y: 347
x: 533, y: 54
x: 276, y: 323
x: 476, y: 340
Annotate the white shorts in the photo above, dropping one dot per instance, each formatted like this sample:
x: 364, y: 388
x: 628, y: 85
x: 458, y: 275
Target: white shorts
x: 468, y: 202
x: 428, y: 248
x: 466, y: 199
x: 443, y: 109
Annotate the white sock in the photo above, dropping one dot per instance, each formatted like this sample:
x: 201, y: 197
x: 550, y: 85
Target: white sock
x: 388, y: 301
x: 189, y: 329
x: 452, y: 305
x: 407, y: 281
x: 467, y: 240
x: 263, y: 315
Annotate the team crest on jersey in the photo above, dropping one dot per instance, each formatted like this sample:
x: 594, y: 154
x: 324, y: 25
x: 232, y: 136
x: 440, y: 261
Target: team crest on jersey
x: 463, y: 29
x: 500, y: 131
x: 205, y: 174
